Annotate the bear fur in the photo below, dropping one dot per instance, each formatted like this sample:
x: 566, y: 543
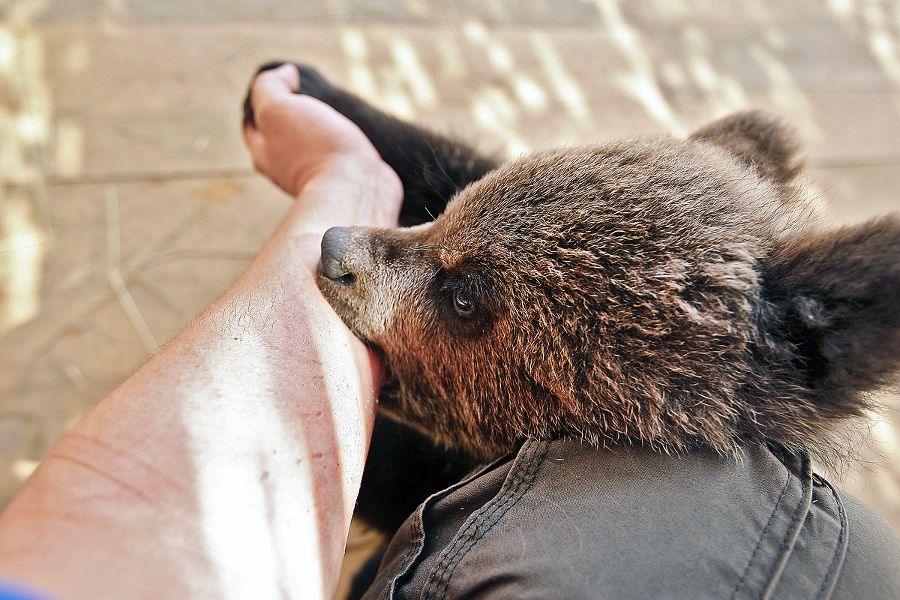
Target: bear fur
x: 653, y: 292
x: 664, y: 292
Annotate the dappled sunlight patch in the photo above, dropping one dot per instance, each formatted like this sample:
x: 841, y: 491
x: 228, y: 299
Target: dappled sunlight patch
x: 403, y: 87
x: 25, y: 129
x: 640, y: 81
x: 22, y: 249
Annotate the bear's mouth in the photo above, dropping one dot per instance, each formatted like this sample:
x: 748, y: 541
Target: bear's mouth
x: 391, y: 381
x: 390, y: 385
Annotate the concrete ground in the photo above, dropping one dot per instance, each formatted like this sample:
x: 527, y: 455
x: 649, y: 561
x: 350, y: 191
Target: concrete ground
x: 128, y: 202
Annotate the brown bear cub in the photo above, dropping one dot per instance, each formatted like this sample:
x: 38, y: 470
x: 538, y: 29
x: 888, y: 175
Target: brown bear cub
x: 667, y: 293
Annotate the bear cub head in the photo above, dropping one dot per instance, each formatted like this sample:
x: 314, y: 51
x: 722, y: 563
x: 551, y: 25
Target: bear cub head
x: 671, y: 293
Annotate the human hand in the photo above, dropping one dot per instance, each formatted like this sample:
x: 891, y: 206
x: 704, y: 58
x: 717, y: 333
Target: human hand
x: 293, y: 138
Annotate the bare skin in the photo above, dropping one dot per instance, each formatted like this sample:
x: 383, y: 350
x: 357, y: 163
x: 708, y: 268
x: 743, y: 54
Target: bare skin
x: 228, y: 466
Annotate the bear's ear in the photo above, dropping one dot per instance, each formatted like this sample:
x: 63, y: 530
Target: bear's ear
x: 760, y: 141
x: 834, y: 310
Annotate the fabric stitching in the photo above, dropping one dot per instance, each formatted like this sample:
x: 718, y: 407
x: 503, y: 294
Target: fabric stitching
x: 418, y: 535
x: 418, y: 530
x: 477, y: 528
x: 410, y: 554
x: 840, y: 551
x: 762, y: 537
x: 439, y: 580
x: 466, y: 537
x: 794, y: 525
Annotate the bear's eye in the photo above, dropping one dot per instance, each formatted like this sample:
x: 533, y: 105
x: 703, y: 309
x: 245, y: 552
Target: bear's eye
x: 463, y: 304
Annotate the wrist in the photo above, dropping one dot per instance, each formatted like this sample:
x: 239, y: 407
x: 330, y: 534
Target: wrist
x: 351, y: 191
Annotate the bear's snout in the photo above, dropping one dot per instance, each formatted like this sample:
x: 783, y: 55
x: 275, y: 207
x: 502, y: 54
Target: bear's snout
x: 334, y: 246
x: 361, y: 289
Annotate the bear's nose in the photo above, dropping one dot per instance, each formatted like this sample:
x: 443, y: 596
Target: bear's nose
x: 334, y: 246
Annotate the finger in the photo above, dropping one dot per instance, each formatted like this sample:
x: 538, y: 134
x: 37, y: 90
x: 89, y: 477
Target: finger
x: 283, y: 79
x: 256, y: 144
x: 249, y: 118
x: 251, y: 135
x: 275, y: 83
x: 291, y: 74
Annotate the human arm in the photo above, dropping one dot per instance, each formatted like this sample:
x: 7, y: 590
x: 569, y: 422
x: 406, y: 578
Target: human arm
x: 227, y: 467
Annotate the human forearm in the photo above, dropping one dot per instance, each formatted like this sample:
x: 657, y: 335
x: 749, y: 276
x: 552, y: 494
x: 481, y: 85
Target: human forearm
x: 215, y: 464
